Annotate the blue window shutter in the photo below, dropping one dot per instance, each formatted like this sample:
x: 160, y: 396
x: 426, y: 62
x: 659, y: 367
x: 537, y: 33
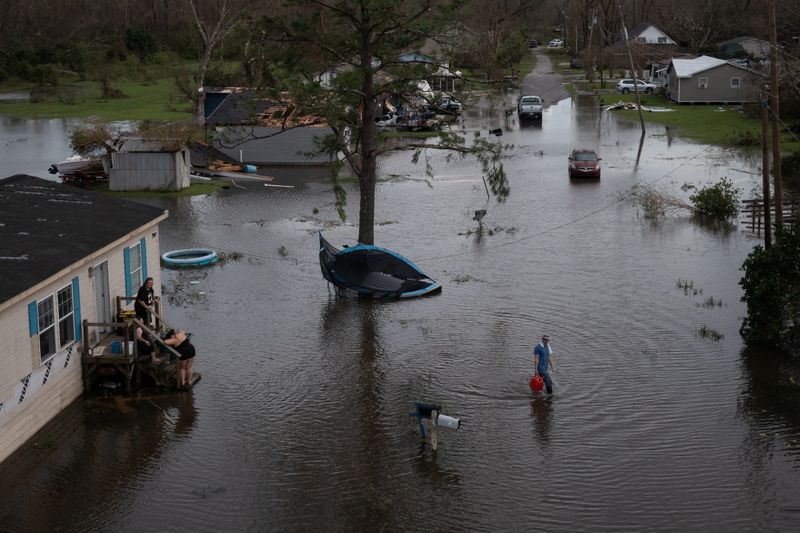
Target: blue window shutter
x: 33, y: 318
x: 143, y: 248
x: 126, y: 256
x: 76, y: 303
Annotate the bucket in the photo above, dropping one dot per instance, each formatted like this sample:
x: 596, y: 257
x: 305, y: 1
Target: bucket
x: 116, y: 347
x: 130, y: 347
x: 537, y: 383
x: 448, y: 422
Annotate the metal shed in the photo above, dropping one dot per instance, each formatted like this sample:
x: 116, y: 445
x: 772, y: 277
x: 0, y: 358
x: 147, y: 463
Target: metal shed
x: 146, y: 165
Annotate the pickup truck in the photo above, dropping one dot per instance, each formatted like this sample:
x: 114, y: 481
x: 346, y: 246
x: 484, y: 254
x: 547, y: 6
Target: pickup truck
x: 529, y: 107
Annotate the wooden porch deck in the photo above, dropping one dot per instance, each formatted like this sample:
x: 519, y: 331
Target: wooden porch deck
x: 100, y: 359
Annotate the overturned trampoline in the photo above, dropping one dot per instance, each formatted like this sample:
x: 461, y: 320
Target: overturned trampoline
x: 373, y: 272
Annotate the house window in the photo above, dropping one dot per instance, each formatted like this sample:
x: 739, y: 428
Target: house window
x: 56, y: 315
x: 641, y: 39
x: 66, y: 322
x: 702, y: 83
x: 136, y: 266
x: 736, y: 83
x: 662, y: 40
x: 47, y: 328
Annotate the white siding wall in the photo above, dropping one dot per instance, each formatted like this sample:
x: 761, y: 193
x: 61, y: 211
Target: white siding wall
x: 19, y: 352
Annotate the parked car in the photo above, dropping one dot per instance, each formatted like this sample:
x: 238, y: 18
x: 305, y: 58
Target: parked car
x: 389, y: 119
x: 529, y: 107
x: 626, y: 86
x: 584, y: 162
x: 449, y: 104
x: 556, y: 43
x: 533, y: 43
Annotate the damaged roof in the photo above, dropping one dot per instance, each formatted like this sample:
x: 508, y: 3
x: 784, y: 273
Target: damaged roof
x: 46, y: 226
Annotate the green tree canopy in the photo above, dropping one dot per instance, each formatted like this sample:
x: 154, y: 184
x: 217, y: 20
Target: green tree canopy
x: 356, y: 45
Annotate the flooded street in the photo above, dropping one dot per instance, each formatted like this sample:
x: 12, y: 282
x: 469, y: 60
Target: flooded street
x: 301, y: 420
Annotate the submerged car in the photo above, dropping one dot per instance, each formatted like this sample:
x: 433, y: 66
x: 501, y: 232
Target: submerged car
x: 584, y: 162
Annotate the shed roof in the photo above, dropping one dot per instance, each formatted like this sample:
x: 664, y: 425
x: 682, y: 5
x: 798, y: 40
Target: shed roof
x: 136, y: 144
x: 46, y: 227
x: 743, y: 39
x: 686, y: 68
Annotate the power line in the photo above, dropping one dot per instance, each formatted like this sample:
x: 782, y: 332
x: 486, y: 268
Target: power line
x: 468, y: 252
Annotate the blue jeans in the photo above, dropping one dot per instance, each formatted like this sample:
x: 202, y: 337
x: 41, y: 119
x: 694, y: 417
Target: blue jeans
x: 548, y: 383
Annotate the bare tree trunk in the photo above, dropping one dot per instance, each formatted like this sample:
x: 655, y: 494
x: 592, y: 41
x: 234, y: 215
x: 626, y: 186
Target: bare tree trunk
x: 366, y: 208
x: 199, y: 96
x: 776, y: 134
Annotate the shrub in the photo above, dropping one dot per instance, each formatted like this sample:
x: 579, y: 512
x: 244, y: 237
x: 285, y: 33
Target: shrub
x: 720, y: 200
x: 142, y: 43
x: 771, y: 286
x: 44, y: 75
x: 790, y: 165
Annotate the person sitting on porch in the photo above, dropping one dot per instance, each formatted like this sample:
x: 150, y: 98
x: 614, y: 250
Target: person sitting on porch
x: 145, y: 346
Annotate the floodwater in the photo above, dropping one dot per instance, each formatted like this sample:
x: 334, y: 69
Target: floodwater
x: 301, y: 420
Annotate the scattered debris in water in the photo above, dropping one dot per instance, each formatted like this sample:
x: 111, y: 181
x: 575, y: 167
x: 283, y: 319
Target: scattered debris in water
x: 282, y: 251
x: 633, y: 106
x: 464, y: 278
x: 488, y: 231
x: 708, y: 333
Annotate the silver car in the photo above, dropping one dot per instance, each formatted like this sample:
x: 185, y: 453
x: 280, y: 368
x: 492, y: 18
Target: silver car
x: 626, y: 86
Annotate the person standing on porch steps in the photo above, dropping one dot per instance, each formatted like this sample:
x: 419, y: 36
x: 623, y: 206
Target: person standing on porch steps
x: 543, y: 362
x: 145, y: 299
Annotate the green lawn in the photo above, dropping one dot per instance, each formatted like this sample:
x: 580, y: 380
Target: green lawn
x: 713, y: 124
x: 144, y: 100
x: 195, y: 189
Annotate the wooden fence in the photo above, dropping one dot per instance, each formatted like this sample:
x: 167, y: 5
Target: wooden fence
x: 752, y: 212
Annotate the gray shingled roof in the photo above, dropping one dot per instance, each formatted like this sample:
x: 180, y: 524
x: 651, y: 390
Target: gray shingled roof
x: 285, y: 148
x: 45, y: 227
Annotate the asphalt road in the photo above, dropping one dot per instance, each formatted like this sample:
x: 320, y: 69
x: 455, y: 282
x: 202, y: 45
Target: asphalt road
x: 543, y: 82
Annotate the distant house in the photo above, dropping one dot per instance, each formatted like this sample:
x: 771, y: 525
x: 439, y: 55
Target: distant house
x: 261, y: 131
x: 707, y: 79
x: 272, y: 146
x: 145, y: 165
x: 745, y: 47
x: 65, y: 254
x: 649, y: 45
x: 647, y: 33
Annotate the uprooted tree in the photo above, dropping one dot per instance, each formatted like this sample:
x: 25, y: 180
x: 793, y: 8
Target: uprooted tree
x: 361, y: 41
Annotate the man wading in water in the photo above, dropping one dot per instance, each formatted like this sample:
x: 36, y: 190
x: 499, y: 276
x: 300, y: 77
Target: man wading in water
x: 542, y: 360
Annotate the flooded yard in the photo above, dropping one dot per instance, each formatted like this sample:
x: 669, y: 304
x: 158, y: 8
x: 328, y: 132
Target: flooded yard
x: 301, y: 421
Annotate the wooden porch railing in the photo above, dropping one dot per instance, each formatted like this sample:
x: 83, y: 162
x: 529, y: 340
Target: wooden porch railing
x: 752, y: 212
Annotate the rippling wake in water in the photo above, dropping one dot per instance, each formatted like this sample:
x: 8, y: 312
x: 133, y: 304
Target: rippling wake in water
x: 302, y: 418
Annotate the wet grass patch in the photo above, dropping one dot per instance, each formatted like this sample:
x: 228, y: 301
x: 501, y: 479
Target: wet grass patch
x: 726, y: 125
x: 154, y: 100
x: 688, y: 288
x: 709, y: 333
x: 195, y: 189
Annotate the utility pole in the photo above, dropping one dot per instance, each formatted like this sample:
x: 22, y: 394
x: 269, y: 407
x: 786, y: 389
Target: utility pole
x: 765, y: 167
x: 633, y: 70
x: 588, y: 60
x: 776, y: 134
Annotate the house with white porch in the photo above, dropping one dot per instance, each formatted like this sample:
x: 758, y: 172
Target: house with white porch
x: 65, y: 254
